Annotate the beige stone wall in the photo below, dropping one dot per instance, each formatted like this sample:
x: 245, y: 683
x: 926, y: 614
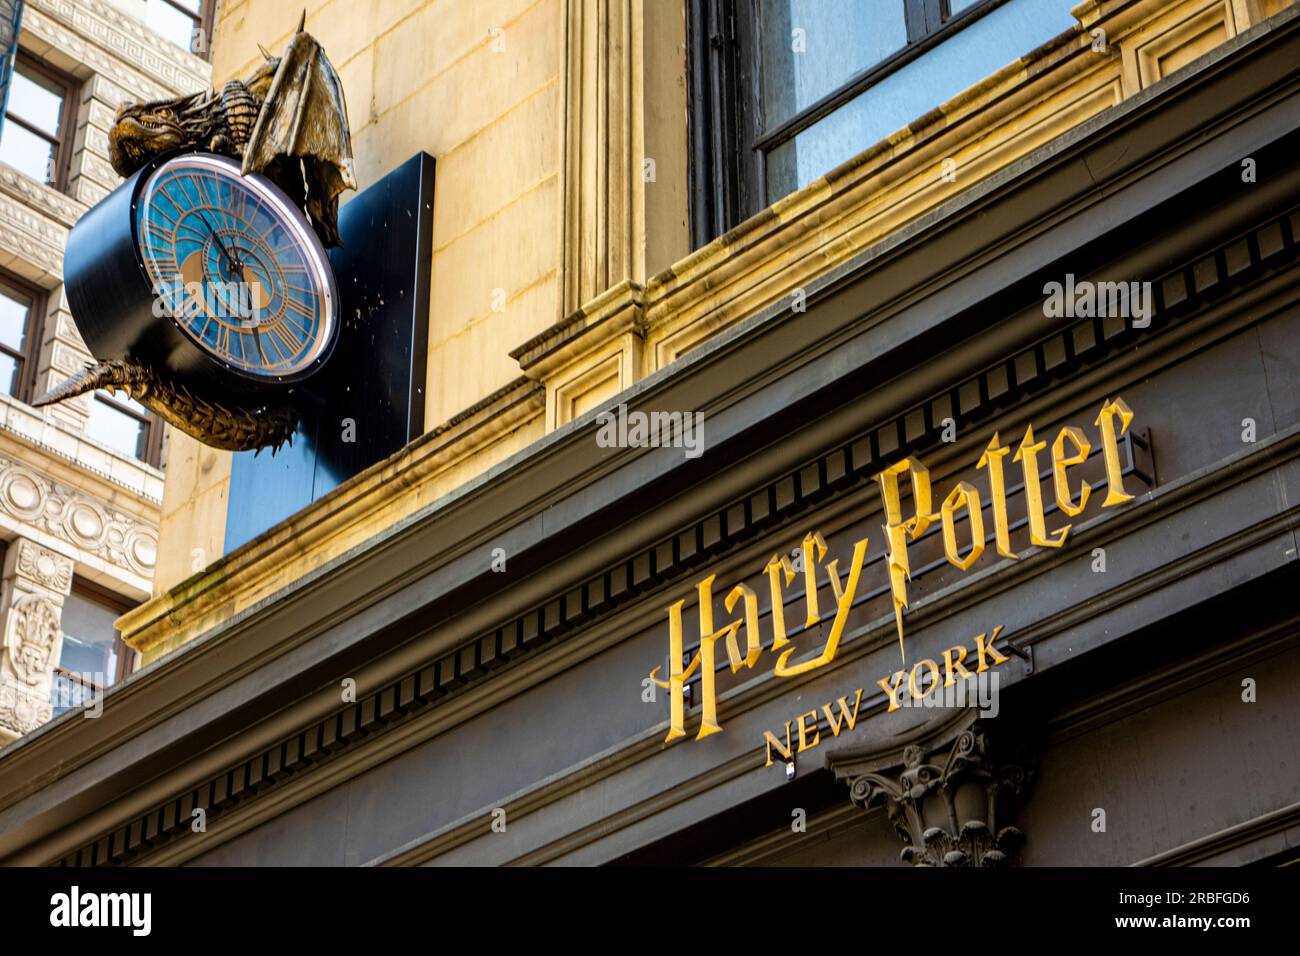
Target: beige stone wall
x: 477, y: 85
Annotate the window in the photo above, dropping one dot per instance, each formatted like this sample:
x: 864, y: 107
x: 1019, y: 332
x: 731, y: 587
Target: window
x: 38, y: 121
x: 187, y: 23
x: 783, y: 91
x: 93, y: 655
x: 125, y: 426
x: 19, y: 304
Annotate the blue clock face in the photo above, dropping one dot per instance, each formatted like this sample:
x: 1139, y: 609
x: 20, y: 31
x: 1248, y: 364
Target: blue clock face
x: 236, y: 266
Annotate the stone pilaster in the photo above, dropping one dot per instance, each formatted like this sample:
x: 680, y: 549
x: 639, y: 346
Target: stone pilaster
x: 34, y: 584
x: 62, y: 354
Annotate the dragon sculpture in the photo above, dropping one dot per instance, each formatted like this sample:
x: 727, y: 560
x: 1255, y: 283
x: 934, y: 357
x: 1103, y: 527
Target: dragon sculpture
x: 288, y: 121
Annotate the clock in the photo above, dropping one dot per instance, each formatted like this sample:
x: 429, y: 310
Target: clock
x: 237, y: 267
x: 213, y: 276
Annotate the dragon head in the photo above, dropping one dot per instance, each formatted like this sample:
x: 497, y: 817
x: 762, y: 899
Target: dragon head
x: 142, y: 131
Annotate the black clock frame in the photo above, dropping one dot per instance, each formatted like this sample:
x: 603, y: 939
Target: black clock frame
x: 112, y: 300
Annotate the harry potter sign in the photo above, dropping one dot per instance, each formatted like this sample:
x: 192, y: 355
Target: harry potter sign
x: 905, y: 521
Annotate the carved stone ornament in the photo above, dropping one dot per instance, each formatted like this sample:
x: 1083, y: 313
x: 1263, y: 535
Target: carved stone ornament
x: 950, y: 804
x: 32, y: 637
x: 87, y: 523
x: 22, y: 710
x: 41, y: 565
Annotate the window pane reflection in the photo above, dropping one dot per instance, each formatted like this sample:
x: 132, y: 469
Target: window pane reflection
x: 115, y: 428
x: 36, y: 99
x: 968, y: 56
x: 9, y: 368
x: 14, y: 310
x: 27, y: 153
x: 90, y: 651
x: 166, y: 20
x: 813, y: 47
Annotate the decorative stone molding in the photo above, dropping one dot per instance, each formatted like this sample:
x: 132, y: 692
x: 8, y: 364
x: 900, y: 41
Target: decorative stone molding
x: 623, y: 167
x: 593, y: 354
x: 92, y: 526
x: 35, y: 583
x: 128, y: 38
x: 950, y: 802
x: 47, y: 568
x: 95, y: 35
x: 36, y: 238
x: 57, y: 206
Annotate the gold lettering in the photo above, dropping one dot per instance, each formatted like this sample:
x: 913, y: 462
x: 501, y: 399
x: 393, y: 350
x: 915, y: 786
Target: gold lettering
x: 677, y: 677
x: 951, y: 663
x: 897, y: 530
x: 753, y: 639
x: 892, y: 689
x: 1027, y: 455
x: 803, y: 732
x: 775, y: 566
x: 1115, y: 493
x: 708, y: 655
x: 773, y: 742
x: 966, y: 496
x: 992, y: 459
x: 810, y: 542
x: 704, y: 660
x: 911, y: 678
x: 844, y: 603
x: 988, y: 649
x: 1060, y: 462
x: 845, y: 719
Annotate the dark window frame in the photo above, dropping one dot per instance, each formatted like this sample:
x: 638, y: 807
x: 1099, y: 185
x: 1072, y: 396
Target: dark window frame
x: 31, y: 351
x: 153, y: 434
x: 67, y: 122
x: 728, y: 143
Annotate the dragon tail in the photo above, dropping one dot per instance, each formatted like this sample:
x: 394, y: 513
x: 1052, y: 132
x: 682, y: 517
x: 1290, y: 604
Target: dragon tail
x: 108, y: 375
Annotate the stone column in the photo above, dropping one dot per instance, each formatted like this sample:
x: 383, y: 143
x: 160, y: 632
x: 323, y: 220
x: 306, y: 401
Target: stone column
x: 951, y: 797
x: 32, y: 589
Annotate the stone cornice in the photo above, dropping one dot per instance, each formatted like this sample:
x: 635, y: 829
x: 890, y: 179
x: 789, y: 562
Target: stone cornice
x: 27, y: 229
x: 129, y: 483
x: 125, y: 38
x: 55, y: 205
x: 614, y: 312
x: 332, y: 524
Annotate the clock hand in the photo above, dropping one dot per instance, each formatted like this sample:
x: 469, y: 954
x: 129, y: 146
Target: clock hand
x: 231, y: 261
x: 257, y: 340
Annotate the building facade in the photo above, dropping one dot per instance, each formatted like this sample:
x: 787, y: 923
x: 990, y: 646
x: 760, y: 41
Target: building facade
x: 81, y: 483
x: 846, y: 437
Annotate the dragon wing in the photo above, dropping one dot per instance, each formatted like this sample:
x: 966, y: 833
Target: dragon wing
x: 304, y: 117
